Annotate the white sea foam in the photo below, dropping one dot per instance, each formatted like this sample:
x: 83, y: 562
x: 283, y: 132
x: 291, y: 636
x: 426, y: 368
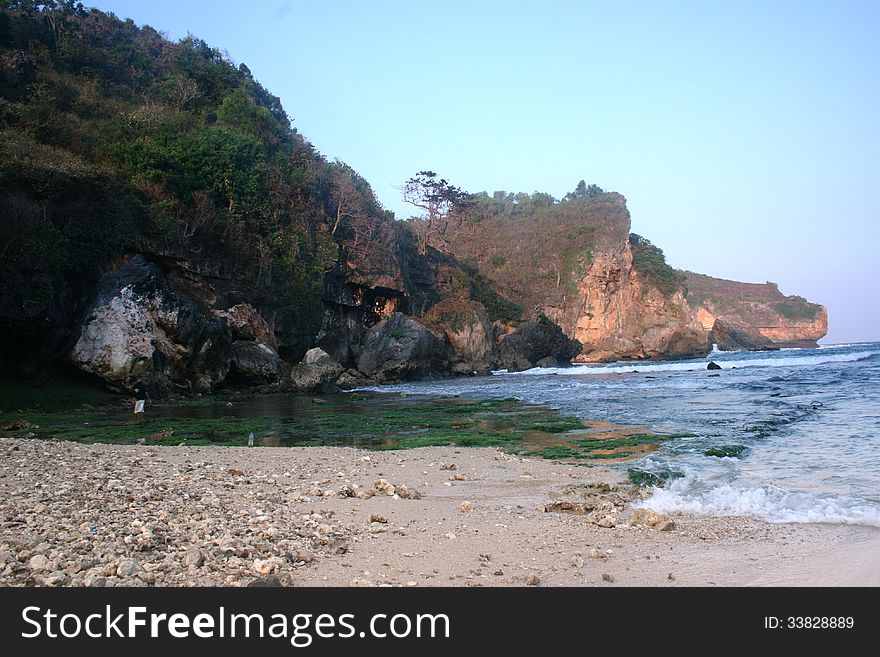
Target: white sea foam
x: 768, y: 503
x: 683, y: 366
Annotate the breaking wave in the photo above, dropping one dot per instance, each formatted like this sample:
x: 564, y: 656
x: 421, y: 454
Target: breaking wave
x: 768, y: 503
x: 806, y: 419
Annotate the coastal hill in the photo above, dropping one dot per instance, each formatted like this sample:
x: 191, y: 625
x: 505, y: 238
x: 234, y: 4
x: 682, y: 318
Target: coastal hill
x: 573, y: 261
x: 164, y: 221
x: 576, y: 261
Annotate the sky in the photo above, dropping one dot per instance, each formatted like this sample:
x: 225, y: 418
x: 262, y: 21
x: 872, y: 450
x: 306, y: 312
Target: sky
x: 744, y: 135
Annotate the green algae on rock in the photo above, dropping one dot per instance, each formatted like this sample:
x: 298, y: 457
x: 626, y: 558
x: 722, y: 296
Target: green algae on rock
x: 367, y: 420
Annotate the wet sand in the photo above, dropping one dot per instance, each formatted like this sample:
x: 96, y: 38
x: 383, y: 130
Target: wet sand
x: 105, y: 515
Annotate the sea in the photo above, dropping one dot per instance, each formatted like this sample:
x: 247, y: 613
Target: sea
x: 807, y: 420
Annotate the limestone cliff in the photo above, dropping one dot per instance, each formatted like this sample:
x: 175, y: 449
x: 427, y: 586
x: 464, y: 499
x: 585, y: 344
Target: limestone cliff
x: 620, y: 316
x: 572, y: 261
x: 576, y: 262
x: 787, y: 321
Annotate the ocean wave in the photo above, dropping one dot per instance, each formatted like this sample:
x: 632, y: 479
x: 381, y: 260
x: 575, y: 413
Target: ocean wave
x: 684, y: 366
x: 768, y: 503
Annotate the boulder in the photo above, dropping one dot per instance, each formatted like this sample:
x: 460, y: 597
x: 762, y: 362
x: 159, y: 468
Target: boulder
x: 137, y: 325
x: 676, y: 342
x: 356, y: 300
x: 713, y: 366
x: 315, y: 356
x: 732, y: 335
x: 317, y: 372
x: 340, y: 338
x: 535, y: 340
x: 254, y: 361
x: 514, y: 361
x: 400, y: 348
x: 351, y: 379
x: 469, y: 334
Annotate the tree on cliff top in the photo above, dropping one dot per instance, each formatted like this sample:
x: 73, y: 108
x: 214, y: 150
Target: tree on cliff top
x: 441, y: 203
x: 584, y: 191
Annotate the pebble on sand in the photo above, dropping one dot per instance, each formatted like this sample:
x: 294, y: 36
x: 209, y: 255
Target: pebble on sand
x: 194, y: 557
x: 38, y: 562
x: 128, y: 568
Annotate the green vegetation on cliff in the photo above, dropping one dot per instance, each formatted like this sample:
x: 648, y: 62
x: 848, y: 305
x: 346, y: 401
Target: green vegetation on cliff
x: 115, y: 140
x: 797, y: 308
x: 650, y: 261
x: 533, y: 248
x: 498, y: 308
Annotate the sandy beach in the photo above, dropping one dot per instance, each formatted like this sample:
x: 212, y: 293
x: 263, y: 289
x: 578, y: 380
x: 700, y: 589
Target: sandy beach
x: 105, y: 515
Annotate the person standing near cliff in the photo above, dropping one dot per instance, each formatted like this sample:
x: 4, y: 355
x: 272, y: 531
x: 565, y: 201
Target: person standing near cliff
x: 141, y: 396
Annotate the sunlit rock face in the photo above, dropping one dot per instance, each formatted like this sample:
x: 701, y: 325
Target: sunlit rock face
x: 573, y: 262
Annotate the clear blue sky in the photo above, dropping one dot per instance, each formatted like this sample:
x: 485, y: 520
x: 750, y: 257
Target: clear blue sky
x: 744, y: 135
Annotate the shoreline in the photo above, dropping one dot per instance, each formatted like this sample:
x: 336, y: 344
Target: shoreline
x: 112, y: 515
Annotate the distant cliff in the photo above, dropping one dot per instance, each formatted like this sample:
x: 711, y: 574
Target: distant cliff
x: 787, y: 321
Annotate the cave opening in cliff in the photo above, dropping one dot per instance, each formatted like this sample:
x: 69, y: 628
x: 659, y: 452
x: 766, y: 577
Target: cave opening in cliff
x: 377, y: 304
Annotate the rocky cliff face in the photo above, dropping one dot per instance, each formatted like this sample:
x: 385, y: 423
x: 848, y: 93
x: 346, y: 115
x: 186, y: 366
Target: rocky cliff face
x: 784, y: 321
x: 540, y: 343
x: 375, y: 279
x: 736, y: 336
x: 186, y: 325
x: 621, y: 317
x: 798, y: 334
x: 204, y: 242
x: 573, y: 262
x: 466, y: 327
